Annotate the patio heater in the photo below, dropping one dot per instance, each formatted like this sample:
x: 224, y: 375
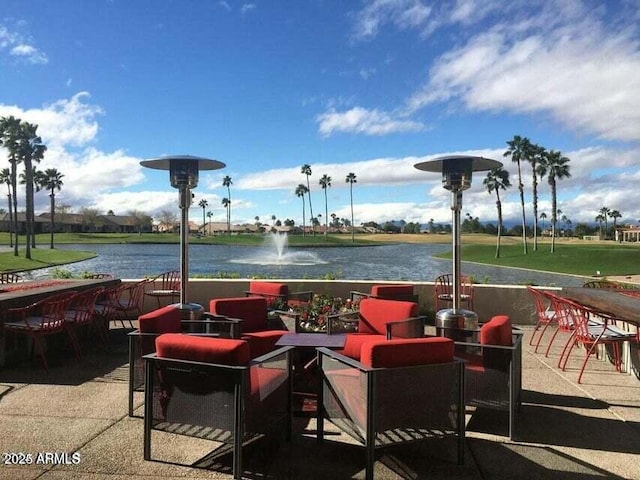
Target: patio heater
x: 183, y: 174
x: 456, y: 177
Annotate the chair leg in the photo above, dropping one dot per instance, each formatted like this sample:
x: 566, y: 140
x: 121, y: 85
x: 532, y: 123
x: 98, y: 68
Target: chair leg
x: 40, y: 347
x: 568, y: 347
x: 590, y: 351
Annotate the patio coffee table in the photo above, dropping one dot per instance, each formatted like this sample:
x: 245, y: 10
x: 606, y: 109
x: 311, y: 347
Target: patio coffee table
x: 306, y: 383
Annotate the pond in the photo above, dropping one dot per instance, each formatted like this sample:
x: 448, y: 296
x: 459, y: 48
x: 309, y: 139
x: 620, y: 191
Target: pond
x: 396, y: 262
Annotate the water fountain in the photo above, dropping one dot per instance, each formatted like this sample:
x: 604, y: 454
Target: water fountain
x: 278, y: 253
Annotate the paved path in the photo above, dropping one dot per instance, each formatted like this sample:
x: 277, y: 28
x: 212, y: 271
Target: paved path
x: 565, y: 431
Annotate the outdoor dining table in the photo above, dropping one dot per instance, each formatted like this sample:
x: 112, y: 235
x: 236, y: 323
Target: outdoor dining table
x: 623, y: 305
x: 21, y: 294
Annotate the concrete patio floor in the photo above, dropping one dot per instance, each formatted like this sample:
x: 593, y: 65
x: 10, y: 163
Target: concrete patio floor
x: 564, y: 430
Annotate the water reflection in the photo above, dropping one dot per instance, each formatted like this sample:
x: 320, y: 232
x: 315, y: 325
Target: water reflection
x: 387, y: 262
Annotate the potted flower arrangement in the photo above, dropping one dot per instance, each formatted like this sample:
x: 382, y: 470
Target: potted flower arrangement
x: 322, y: 314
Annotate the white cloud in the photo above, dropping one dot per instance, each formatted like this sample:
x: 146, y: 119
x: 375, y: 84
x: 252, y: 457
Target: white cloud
x: 69, y: 127
x: 582, y: 75
x: 224, y: 5
x: 361, y: 120
x: 247, y: 8
x: 21, y: 47
x: 30, y: 53
x: 402, y: 13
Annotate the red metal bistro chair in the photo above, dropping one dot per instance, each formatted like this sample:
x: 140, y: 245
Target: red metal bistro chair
x: 401, y: 391
x: 545, y: 315
x: 592, y: 329
x: 165, y: 286
x: 80, y: 313
x: 128, y: 304
x: 444, y: 291
x: 41, y: 319
x: 211, y: 388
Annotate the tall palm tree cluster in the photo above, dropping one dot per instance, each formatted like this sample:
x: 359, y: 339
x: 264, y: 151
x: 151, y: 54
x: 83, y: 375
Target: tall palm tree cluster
x: 603, y: 214
x: 25, y: 147
x: 324, y: 182
x: 544, y: 163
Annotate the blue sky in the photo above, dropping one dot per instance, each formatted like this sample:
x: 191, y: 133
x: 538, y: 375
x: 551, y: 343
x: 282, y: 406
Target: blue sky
x: 369, y: 87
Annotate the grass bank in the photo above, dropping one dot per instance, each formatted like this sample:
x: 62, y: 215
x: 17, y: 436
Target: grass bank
x: 573, y: 258
x: 40, y: 258
x: 163, y: 238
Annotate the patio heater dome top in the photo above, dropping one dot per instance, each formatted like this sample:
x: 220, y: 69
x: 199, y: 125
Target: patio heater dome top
x: 457, y: 169
x: 183, y: 169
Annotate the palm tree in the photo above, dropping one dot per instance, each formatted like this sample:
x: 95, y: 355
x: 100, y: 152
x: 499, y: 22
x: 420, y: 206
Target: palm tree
x: 497, y: 179
x: 600, y: 218
x: 301, y: 191
x: 203, y: 204
x: 325, y: 182
x: 537, y: 152
x: 605, y: 211
x: 306, y: 170
x: 9, y: 134
x: 209, y: 215
x: 351, y: 179
x: 555, y: 167
x: 543, y: 216
x: 520, y: 149
x: 227, y: 182
x: 51, y: 180
x: 226, y: 203
x: 31, y: 151
x: 5, y: 177
x: 615, y: 214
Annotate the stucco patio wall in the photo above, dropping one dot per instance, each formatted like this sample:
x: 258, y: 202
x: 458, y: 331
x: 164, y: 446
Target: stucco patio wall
x: 489, y: 300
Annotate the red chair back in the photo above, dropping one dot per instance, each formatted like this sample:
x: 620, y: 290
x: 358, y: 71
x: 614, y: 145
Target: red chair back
x: 269, y: 288
x: 251, y: 310
x: 375, y: 313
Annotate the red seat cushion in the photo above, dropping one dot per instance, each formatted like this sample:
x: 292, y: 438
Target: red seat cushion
x: 261, y: 343
x: 375, y: 313
x: 497, y: 331
x: 268, y: 288
x: 391, y: 290
x: 407, y: 352
x: 251, y: 310
x: 162, y: 320
x: 354, y: 341
x: 224, y: 351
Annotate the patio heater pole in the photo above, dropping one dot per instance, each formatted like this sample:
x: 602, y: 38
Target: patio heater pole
x: 183, y: 173
x: 456, y: 177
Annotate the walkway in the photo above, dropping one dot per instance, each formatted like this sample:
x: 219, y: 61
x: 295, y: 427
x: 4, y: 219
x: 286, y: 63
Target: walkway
x: 565, y: 430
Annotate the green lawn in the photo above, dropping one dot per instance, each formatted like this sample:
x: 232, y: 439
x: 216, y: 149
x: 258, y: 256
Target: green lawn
x: 578, y: 259
x: 40, y: 258
x: 246, y: 239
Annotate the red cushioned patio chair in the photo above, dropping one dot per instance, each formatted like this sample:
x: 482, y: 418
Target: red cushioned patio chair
x: 401, y: 391
x: 403, y: 292
x: 277, y: 294
x: 252, y: 316
x: 382, y: 319
x: 167, y: 320
x: 211, y: 389
x: 494, y: 368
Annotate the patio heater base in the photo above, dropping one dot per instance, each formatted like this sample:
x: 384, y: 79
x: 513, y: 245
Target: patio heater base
x: 190, y: 311
x: 457, y: 324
